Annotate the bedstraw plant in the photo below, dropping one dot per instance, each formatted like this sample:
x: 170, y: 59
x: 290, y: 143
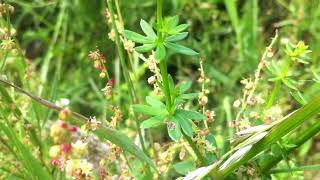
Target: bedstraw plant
x: 144, y: 122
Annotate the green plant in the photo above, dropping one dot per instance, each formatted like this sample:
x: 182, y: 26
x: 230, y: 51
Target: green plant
x: 151, y: 107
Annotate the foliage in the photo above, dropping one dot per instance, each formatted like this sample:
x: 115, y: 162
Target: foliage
x: 216, y: 89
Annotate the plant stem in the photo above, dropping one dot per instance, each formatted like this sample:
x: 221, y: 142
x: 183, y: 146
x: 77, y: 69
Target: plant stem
x: 159, y: 17
x: 302, y: 168
x: 195, y: 149
x: 165, y: 83
x: 290, y: 123
x: 298, y: 141
x: 125, y: 72
x: 274, y: 94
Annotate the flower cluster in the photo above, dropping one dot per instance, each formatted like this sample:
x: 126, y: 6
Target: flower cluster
x: 203, y: 94
x: 127, y: 44
x: 99, y: 60
x: 203, y: 98
x: 75, y: 151
x: 7, y: 32
x: 156, y: 77
x: 6, y: 9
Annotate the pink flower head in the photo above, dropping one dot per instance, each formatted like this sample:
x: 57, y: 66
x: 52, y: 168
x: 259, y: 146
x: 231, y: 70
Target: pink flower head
x: 64, y: 125
x: 73, y: 129
x: 66, y: 148
x: 110, y: 82
x: 56, y: 161
x: 103, y: 59
x: 100, y: 67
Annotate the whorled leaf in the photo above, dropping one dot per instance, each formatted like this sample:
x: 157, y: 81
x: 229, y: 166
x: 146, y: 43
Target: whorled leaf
x: 180, y: 49
x: 147, y: 29
x: 138, y: 38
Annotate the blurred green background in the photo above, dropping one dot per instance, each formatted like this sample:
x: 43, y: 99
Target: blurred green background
x: 231, y: 35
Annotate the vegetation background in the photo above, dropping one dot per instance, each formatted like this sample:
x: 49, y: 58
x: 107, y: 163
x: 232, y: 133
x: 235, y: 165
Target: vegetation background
x: 58, y: 35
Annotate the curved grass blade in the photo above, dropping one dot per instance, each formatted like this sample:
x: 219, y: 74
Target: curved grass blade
x: 114, y: 136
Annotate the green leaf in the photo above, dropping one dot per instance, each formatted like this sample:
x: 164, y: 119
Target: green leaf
x: 33, y: 166
x: 298, y: 97
x: 190, y: 114
x: 133, y: 36
x: 185, y: 87
x: 147, y: 29
x: 275, y: 150
x: 124, y: 142
x: 152, y: 101
x: 282, y: 128
x: 273, y: 69
x: 180, y: 49
x: 175, y: 132
x: 172, y: 22
x: 184, y: 167
x: 152, y: 122
x: 177, y: 37
x: 145, y: 48
x: 160, y: 52
x: 290, y: 83
x: 179, y: 28
x: 148, y: 110
x: 186, y: 125
x: 188, y: 96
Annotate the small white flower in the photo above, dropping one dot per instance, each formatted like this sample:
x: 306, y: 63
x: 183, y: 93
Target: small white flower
x: 64, y: 101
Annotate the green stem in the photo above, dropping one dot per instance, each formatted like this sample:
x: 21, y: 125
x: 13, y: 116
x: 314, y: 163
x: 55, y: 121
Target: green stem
x: 298, y: 141
x: 195, y: 149
x: 302, y: 168
x: 287, y: 125
x: 125, y: 72
x: 274, y: 94
x: 165, y: 82
x: 159, y: 17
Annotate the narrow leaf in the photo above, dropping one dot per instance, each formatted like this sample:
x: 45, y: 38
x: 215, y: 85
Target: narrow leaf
x: 152, y: 101
x: 179, y: 28
x: 147, y: 29
x: 148, y: 110
x: 160, y: 52
x: 189, y: 96
x: 177, y: 37
x: 32, y: 165
x: 185, y: 87
x: 184, y: 167
x: 180, y: 49
x: 145, y: 48
x: 175, y: 131
x: 190, y: 114
x: 152, y: 122
x: 186, y: 125
x: 133, y: 36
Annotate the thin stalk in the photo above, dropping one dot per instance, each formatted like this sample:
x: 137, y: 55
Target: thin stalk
x: 301, y: 168
x: 195, y: 149
x: 274, y: 94
x: 46, y: 62
x: 125, y: 72
x: 163, y: 63
x: 277, y: 86
x: 298, y: 141
x: 283, y: 128
x: 165, y: 83
x: 164, y: 75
